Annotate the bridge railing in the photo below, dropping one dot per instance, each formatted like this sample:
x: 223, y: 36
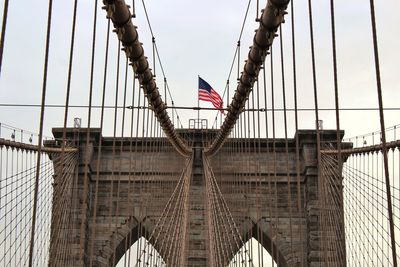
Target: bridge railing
x: 17, y: 183
x: 365, y: 197
x: 12, y: 133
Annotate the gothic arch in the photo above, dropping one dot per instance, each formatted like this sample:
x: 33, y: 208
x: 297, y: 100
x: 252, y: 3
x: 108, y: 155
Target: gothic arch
x: 130, y: 236
x: 265, y: 240
x: 273, y: 249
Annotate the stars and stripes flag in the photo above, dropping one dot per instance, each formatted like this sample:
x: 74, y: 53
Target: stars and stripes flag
x: 207, y: 93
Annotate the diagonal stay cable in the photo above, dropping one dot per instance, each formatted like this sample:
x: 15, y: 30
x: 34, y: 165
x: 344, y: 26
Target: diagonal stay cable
x: 120, y: 15
x: 157, y: 54
x: 235, y: 55
x: 271, y: 18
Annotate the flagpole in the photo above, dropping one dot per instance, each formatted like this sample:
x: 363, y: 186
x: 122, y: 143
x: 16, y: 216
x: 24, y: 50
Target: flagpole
x: 198, y: 102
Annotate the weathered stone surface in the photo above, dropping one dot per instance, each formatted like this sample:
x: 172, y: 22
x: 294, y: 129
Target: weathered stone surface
x: 134, y: 184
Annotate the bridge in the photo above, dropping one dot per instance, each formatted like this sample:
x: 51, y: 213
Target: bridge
x: 258, y: 181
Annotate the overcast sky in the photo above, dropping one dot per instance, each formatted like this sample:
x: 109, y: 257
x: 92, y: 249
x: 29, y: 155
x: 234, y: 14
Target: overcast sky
x: 199, y: 38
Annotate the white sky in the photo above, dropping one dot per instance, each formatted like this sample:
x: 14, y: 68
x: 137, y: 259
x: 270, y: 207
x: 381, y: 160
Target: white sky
x: 199, y: 38
x: 259, y: 254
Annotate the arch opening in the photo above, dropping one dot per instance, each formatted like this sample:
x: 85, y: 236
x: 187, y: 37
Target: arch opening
x: 141, y: 253
x: 252, y: 254
x: 265, y: 251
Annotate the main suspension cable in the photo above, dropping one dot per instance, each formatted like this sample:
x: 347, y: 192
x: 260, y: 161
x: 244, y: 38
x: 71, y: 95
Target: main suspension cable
x: 270, y: 20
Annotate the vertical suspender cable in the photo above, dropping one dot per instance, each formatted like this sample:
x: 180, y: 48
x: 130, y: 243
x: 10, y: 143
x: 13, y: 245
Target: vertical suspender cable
x: 3, y: 31
x: 257, y: 9
x: 99, y: 150
x: 111, y: 211
x: 43, y: 102
x: 296, y: 121
x: 238, y: 60
x: 165, y: 91
x: 131, y: 192
x: 338, y: 137
x: 68, y: 89
x: 71, y: 57
x: 259, y: 178
x: 271, y: 18
x: 127, y: 34
x: 133, y: 9
x: 90, y: 118
x: 274, y: 160
x: 121, y: 147
x: 136, y: 163
x: 268, y: 176
x: 227, y: 96
x: 289, y: 197
x: 383, y: 136
x: 236, y: 54
x: 141, y: 187
x: 315, y: 106
x: 153, y: 41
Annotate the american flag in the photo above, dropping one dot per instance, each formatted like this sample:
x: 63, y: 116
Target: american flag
x: 207, y: 93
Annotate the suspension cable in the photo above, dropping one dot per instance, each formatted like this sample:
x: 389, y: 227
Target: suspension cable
x: 383, y: 136
x: 119, y: 13
x: 36, y: 191
x: 270, y: 20
x: 3, y: 31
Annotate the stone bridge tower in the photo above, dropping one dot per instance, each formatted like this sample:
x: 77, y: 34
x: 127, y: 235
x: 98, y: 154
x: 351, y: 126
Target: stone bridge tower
x: 121, y: 221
